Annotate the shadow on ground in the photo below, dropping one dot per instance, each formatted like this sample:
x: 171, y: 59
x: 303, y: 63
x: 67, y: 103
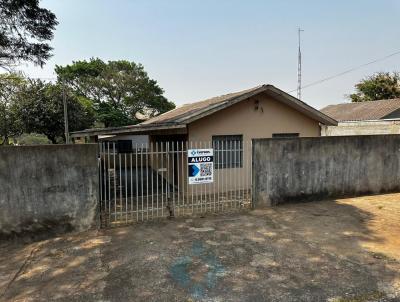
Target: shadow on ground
x: 321, y: 251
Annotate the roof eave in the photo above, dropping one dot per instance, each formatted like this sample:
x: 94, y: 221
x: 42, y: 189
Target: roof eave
x: 137, y: 129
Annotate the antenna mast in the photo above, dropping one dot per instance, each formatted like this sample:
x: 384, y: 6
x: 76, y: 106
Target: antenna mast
x: 299, y: 66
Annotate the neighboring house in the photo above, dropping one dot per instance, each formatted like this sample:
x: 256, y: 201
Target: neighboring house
x: 364, y: 118
x: 260, y: 112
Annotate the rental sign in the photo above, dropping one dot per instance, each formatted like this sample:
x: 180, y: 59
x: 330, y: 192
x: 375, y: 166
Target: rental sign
x: 200, y: 165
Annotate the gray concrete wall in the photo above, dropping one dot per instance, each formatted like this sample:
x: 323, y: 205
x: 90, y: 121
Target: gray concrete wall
x: 52, y: 187
x: 305, y: 169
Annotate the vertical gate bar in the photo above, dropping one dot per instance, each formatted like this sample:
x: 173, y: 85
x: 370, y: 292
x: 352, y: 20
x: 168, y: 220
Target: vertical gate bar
x: 219, y: 197
x: 109, y: 181
x: 246, y: 171
x: 147, y: 181
x: 131, y: 175
x: 222, y: 166
x: 141, y: 178
x: 247, y: 174
x: 100, y: 178
x: 191, y: 146
x: 231, y: 174
x: 198, y: 187
x: 228, y: 171
x: 137, y: 182
x: 173, y: 178
x: 177, y: 174
x: 162, y: 180
x: 225, y: 143
x: 115, y: 184
x: 214, y: 173
x: 120, y: 187
x: 204, y: 187
x: 216, y: 167
x: 251, y: 172
x: 199, y: 146
x: 126, y: 191
x: 106, y: 188
x: 204, y: 145
x: 152, y: 179
x: 184, y: 180
x: 167, y: 182
x: 194, y: 186
x: 247, y: 178
x: 243, y: 171
x: 234, y: 175
x: 211, y: 186
x: 237, y: 174
x: 157, y: 168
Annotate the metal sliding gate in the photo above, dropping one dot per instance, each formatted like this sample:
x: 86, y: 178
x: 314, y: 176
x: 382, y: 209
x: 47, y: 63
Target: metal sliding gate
x: 150, y: 181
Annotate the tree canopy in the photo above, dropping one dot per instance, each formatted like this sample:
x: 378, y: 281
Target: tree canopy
x: 25, y: 29
x: 380, y: 86
x: 40, y: 110
x: 33, y: 106
x: 119, y: 90
x: 10, y: 86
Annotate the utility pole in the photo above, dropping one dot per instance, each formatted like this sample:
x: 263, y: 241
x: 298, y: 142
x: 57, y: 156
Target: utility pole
x: 65, y: 113
x: 299, y: 66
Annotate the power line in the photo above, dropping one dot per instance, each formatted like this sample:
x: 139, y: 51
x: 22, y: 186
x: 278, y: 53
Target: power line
x: 348, y: 71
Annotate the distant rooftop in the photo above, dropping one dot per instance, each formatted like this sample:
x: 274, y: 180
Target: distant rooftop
x: 361, y: 111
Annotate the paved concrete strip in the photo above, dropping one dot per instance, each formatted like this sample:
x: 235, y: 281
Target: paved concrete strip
x: 344, y: 250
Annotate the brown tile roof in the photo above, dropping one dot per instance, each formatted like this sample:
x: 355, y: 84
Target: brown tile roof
x: 188, y: 109
x: 373, y: 110
x: 189, y: 112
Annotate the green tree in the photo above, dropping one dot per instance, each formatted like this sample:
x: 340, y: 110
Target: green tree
x: 10, y: 86
x: 24, y: 29
x: 380, y: 86
x: 40, y: 110
x: 119, y: 90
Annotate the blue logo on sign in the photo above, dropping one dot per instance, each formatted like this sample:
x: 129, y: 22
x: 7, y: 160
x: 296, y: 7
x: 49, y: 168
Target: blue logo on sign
x: 193, y: 152
x: 193, y: 170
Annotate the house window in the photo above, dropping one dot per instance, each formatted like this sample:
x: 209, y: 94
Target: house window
x: 284, y: 135
x: 228, y: 151
x: 124, y: 146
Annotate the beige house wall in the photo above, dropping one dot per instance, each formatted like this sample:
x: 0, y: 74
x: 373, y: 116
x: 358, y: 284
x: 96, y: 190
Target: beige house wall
x: 258, y: 117
x: 243, y: 118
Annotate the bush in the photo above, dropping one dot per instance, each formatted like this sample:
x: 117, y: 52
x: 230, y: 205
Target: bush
x: 32, y: 139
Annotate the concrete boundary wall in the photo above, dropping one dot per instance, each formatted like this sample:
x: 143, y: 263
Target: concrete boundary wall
x: 306, y: 169
x: 52, y: 187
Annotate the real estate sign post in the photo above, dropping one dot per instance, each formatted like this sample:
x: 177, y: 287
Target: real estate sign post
x: 201, y: 166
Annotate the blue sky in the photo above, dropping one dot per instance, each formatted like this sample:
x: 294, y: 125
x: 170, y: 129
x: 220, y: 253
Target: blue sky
x: 199, y: 49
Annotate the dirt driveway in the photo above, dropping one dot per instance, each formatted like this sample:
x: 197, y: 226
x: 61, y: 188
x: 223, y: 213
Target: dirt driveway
x: 343, y: 250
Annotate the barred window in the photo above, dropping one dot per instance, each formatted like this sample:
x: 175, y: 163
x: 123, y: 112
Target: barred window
x: 228, y: 151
